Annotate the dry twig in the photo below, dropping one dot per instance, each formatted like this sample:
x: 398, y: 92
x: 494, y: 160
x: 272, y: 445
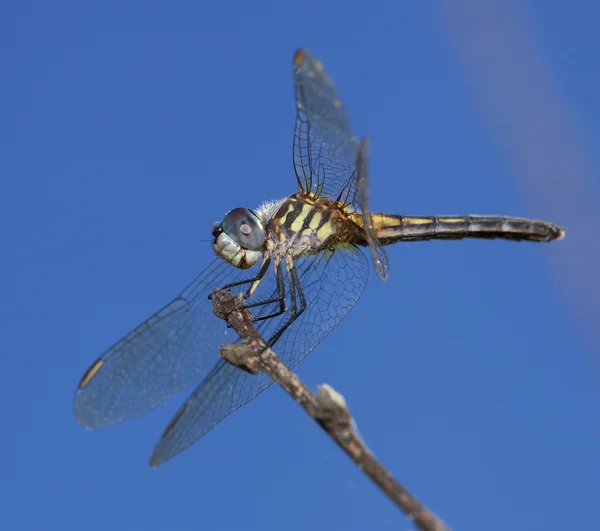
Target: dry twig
x: 328, y: 408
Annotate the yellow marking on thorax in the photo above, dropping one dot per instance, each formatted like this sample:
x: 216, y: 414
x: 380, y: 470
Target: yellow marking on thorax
x: 299, y: 221
x: 289, y: 209
x: 91, y: 373
x: 325, y: 231
x: 315, y: 221
x: 279, y: 219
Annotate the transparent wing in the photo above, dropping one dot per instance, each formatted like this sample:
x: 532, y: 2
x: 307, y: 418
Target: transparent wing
x: 170, y: 351
x: 332, y: 283
x: 325, y: 149
x: 378, y: 254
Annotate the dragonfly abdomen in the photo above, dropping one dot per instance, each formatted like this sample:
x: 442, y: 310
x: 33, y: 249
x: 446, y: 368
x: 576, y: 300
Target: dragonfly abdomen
x: 393, y: 228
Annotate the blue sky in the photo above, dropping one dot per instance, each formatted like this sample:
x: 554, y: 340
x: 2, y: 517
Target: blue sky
x: 129, y: 127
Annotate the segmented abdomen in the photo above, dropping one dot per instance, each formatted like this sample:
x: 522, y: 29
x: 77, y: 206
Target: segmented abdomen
x: 393, y: 228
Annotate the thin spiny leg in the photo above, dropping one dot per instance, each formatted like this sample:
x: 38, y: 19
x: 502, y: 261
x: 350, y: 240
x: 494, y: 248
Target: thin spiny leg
x: 280, y: 298
x: 259, y: 276
x: 296, y: 286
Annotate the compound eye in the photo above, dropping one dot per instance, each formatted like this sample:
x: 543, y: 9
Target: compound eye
x: 245, y: 228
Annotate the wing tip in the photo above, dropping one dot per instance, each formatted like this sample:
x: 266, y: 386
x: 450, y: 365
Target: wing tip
x: 299, y: 56
x: 85, y: 418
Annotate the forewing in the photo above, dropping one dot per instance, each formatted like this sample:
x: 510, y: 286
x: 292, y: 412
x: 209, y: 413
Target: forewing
x: 170, y: 351
x: 332, y: 282
x: 325, y: 148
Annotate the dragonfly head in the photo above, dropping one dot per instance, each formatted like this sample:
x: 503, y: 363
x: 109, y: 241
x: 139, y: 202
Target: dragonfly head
x: 239, y: 238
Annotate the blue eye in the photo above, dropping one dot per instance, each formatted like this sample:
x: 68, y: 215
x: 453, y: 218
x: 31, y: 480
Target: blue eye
x: 245, y: 228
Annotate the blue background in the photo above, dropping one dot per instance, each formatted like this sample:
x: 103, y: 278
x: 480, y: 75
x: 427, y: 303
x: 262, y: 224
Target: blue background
x: 127, y: 128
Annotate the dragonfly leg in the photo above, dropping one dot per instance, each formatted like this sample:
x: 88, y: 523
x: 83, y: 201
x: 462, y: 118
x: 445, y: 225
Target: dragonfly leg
x: 279, y: 299
x: 297, y: 301
x: 254, y: 281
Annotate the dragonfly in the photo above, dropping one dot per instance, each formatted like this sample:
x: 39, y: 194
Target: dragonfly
x: 299, y: 265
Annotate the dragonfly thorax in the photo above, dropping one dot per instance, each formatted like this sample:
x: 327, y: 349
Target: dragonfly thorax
x: 304, y: 225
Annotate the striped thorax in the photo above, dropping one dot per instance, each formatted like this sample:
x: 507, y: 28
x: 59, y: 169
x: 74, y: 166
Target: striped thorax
x: 303, y: 225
